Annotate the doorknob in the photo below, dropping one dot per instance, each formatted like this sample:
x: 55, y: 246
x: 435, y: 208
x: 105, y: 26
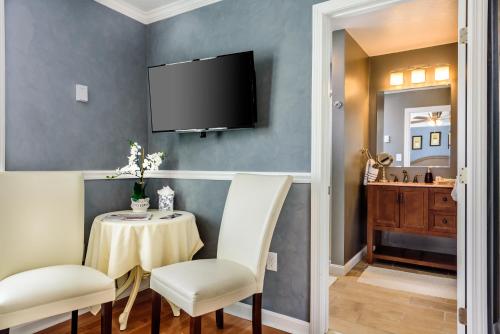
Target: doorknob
x: 338, y: 104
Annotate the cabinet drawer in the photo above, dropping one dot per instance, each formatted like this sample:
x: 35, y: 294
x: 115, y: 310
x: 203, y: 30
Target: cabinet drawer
x: 440, y: 199
x: 443, y: 223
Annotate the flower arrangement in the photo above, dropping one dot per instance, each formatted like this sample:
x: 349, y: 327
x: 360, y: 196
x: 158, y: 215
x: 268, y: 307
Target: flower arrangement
x: 138, y: 163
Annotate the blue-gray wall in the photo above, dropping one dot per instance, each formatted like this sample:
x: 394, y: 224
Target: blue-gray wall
x: 50, y: 47
x: 279, y: 33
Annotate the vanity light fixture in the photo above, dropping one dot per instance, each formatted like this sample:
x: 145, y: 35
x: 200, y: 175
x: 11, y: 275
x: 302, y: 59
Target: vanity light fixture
x: 397, y: 78
x: 418, y: 76
x: 442, y: 73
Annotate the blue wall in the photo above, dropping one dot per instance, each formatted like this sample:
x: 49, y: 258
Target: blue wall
x: 428, y: 150
x: 279, y: 31
x: 50, y: 47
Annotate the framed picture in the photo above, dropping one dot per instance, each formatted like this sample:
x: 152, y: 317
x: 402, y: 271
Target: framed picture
x: 416, y: 142
x: 435, y: 138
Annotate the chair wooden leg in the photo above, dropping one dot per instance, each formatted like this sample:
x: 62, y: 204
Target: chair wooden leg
x: 219, y: 318
x: 195, y: 325
x: 106, y: 317
x: 155, y: 313
x: 4, y: 331
x: 74, y: 322
x: 257, y: 313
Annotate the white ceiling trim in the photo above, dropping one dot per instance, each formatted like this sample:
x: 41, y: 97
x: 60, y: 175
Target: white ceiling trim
x: 158, y: 14
x: 125, y: 9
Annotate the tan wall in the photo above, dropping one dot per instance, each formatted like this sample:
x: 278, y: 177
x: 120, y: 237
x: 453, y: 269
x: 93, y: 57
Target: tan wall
x: 350, y: 84
x: 380, y: 69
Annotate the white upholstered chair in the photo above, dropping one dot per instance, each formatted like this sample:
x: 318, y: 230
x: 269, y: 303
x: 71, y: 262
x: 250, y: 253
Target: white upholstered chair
x: 198, y: 287
x: 41, y: 251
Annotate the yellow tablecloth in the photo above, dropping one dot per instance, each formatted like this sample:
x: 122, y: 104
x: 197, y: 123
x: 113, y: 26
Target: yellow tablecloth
x: 115, y: 248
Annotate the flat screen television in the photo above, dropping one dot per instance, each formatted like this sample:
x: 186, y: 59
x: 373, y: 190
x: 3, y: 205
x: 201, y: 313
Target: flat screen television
x: 212, y: 94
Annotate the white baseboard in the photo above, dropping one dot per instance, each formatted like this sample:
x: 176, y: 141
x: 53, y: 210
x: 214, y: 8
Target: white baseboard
x: 338, y: 270
x: 269, y: 318
x: 36, y: 326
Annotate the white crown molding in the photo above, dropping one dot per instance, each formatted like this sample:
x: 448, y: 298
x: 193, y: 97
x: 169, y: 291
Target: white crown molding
x: 176, y: 8
x: 125, y: 9
x: 194, y: 175
x: 158, y: 14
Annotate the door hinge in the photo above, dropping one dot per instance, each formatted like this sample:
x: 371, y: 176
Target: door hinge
x: 462, y: 316
x: 463, y: 35
x: 462, y: 175
x: 329, y: 190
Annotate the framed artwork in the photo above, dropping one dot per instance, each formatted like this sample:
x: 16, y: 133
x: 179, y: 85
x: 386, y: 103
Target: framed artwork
x: 416, y: 142
x: 435, y: 139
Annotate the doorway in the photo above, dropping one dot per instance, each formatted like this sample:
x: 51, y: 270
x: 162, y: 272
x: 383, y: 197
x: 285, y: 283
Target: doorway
x: 324, y: 15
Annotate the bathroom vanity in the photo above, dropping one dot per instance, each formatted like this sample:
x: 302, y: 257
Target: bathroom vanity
x: 416, y: 208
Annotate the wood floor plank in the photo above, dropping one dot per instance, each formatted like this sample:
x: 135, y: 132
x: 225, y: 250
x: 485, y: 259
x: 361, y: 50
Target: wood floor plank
x: 140, y: 321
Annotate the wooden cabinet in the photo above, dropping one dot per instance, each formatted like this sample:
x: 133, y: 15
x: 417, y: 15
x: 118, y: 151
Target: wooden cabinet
x: 410, y: 208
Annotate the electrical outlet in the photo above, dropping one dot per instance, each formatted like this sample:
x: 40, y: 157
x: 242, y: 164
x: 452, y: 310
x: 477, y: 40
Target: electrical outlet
x: 272, y: 261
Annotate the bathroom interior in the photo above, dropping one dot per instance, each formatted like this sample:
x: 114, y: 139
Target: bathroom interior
x: 393, y: 240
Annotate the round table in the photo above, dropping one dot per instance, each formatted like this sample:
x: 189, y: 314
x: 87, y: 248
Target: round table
x: 136, y: 247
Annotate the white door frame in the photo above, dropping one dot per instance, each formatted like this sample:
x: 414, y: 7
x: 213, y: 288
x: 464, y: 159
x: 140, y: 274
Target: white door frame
x: 476, y: 156
x: 407, y: 132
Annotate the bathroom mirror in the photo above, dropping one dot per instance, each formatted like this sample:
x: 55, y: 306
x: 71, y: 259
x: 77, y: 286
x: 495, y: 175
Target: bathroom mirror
x: 414, y: 126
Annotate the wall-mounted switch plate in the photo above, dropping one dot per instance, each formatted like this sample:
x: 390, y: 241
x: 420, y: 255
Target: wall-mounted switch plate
x: 399, y: 157
x: 82, y: 93
x: 272, y: 261
x: 387, y: 139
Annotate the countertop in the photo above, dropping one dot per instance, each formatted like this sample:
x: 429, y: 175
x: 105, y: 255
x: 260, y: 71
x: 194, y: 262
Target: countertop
x: 411, y: 184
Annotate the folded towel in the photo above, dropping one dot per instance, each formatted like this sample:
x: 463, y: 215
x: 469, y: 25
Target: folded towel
x: 454, y: 192
x: 371, y: 172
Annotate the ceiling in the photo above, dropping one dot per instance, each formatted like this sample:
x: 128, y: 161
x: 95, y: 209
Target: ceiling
x: 407, y: 26
x: 148, y: 5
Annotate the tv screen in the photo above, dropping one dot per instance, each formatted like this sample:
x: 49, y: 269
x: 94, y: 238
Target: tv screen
x: 204, y: 95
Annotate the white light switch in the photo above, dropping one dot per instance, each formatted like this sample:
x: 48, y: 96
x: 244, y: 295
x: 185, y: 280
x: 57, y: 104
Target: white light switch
x: 387, y: 139
x: 399, y: 157
x: 82, y: 93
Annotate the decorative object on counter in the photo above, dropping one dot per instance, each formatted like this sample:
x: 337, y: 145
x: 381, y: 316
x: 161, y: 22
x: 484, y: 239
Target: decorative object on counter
x: 406, y: 179
x: 428, y: 176
x: 371, y: 169
x: 415, y: 178
x: 166, y: 199
x: 435, y: 139
x: 444, y: 181
x: 138, y: 163
x: 396, y: 179
x: 384, y: 160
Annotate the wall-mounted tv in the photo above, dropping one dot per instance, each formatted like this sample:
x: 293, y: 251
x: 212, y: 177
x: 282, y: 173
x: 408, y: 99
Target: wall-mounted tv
x: 212, y: 94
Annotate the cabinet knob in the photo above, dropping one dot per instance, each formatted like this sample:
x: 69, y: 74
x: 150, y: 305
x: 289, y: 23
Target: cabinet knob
x: 445, y: 199
x: 445, y: 221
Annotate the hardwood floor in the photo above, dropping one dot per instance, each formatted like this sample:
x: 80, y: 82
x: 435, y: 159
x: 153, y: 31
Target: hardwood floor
x: 357, y: 308
x: 140, y: 321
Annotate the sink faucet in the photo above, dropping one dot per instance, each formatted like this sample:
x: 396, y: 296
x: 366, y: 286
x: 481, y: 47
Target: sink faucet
x: 405, y: 176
